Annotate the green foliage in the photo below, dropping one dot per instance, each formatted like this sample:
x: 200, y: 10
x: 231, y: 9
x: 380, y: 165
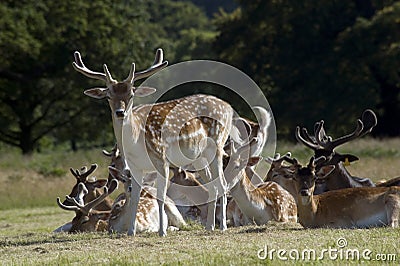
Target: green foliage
x: 41, y: 95
x: 318, y: 59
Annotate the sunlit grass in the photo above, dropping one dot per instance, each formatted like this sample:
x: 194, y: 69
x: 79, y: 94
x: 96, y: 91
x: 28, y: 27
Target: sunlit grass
x: 29, y: 214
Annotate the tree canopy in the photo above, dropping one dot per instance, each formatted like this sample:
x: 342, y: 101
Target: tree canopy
x: 318, y: 59
x: 313, y: 60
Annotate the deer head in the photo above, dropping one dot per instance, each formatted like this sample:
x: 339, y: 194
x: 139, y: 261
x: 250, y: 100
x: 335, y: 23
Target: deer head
x: 119, y: 94
x: 86, y: 218
x: 91, y: 185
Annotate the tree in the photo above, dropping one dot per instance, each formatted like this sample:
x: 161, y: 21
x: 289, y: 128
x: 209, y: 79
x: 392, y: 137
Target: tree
x: 297, y: 52
x: 42, y: 96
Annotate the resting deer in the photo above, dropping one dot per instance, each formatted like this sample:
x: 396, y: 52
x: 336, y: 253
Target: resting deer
x: 147, y: 216
x: 249, y: 130
x: 324, y: 145
x: 282, y: 173
x: 87, y: 218
x: 189, y: 195
x: 93, y: 187
x: 268, y: 201
x: 153, y: 137
x: 360, y: 207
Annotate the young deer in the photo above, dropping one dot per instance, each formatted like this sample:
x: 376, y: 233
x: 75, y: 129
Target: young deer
x: 360, y: 207
x: 282, y: 173
x: 268, y: 201
x: 249, y: 130
x: 153, y: 137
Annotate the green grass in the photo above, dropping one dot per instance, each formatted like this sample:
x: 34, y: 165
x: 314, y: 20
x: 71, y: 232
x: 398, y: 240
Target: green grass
x: 29, y: 214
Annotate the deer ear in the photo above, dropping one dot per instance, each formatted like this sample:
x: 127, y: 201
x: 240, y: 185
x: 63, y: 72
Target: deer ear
x: 98, y: 93
x: 348, y: 158
x: 324, y: 171
x: 144, y: 91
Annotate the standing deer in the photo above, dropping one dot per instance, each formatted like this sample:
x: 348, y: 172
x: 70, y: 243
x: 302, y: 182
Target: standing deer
x: 359, y: 207
x: 268, y: 201
x: 152, y: 137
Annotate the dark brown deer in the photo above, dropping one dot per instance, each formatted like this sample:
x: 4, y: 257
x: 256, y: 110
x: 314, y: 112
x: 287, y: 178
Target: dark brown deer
x: 324, y: 145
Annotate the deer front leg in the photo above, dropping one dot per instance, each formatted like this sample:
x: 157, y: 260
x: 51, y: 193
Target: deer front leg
x: 136, y: 187
x: 392, y: 207
x: 162, y: 182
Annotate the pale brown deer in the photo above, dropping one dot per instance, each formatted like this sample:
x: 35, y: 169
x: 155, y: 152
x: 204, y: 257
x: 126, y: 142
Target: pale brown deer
x: 87, y: 218
x: 360, y: 207
x: 258, y: 204
x: 282, y: 173
x: 153, y: 137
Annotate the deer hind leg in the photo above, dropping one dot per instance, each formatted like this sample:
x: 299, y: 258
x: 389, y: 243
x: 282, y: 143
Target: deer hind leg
x: 392, y: 202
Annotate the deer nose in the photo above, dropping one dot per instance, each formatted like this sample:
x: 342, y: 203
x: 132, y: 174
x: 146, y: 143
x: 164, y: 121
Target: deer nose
x: 305, y: 192
x: 120, y: 113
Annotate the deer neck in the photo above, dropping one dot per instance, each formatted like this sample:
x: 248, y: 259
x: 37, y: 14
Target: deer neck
x: 243, y: 193
x: 307, y: 207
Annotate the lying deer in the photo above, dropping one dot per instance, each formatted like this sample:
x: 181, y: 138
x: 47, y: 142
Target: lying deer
x: 249, y: 130
x: 360, y: 207
x: 324, y: 145
x: 268, y: 201
x: 153, y: 137
x: 87, y: 218
x: 93, y: 188
x: 147, y: 217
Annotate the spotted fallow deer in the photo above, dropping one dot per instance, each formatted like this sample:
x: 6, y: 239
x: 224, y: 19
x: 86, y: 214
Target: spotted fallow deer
x: 257, y: 204
x: 248, y: 130
x: 360, y: 207
x: 153, y: 137
x: 147, y: 216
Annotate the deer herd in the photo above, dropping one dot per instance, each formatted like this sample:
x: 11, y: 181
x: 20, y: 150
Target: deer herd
x: 177, y: 159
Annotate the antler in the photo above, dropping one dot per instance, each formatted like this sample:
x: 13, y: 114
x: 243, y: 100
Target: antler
x: 132, y: 77
x: 86, y: 208
x: 80, y: 67
x: 278, y: 159
x: 320, y: 141
x: 157, y: 65
x: 82, y: 175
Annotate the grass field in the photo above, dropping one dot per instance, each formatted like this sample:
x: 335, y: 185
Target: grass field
x: 29, y: 214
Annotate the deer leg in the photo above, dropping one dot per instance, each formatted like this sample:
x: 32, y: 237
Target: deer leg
x: 136, y: 187
x: 162, y: 182
x: 392, y: 207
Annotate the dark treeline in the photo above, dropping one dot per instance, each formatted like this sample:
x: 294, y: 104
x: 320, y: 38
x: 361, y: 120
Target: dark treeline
x: 313, y: 60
